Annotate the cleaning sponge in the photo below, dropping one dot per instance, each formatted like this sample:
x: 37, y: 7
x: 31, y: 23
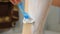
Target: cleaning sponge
x: 21, y: 8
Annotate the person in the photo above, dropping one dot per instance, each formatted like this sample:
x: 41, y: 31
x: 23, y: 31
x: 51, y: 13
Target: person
x: 19, y: 23
x: 15, y: 2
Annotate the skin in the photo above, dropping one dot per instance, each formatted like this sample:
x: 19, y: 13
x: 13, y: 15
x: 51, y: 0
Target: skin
x: 15, y: 2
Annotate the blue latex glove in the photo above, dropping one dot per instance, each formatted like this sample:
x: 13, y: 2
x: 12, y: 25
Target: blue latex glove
x: 21, y: 8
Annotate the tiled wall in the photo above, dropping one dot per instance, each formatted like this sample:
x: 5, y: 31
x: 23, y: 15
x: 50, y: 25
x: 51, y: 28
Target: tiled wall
x: 53, y: 18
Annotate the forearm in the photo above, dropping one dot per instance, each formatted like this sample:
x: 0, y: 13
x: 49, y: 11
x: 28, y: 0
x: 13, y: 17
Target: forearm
x: 15, y: 2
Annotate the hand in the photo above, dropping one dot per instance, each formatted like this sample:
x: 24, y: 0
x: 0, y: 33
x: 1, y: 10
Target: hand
x: 15, y: 2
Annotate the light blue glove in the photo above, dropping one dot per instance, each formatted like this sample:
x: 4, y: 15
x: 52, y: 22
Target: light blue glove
x: 21, y: 8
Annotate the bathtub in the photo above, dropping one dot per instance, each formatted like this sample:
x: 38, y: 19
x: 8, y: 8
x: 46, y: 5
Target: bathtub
x: 51, y: 32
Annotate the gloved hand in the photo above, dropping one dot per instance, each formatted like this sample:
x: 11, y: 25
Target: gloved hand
x: 15, y: 2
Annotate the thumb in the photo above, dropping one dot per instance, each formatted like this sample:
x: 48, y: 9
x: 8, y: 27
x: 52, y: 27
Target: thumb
x: 17, y: 1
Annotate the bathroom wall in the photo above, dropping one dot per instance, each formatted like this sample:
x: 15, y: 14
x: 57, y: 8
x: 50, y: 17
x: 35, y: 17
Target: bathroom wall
x: 52, y: 21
